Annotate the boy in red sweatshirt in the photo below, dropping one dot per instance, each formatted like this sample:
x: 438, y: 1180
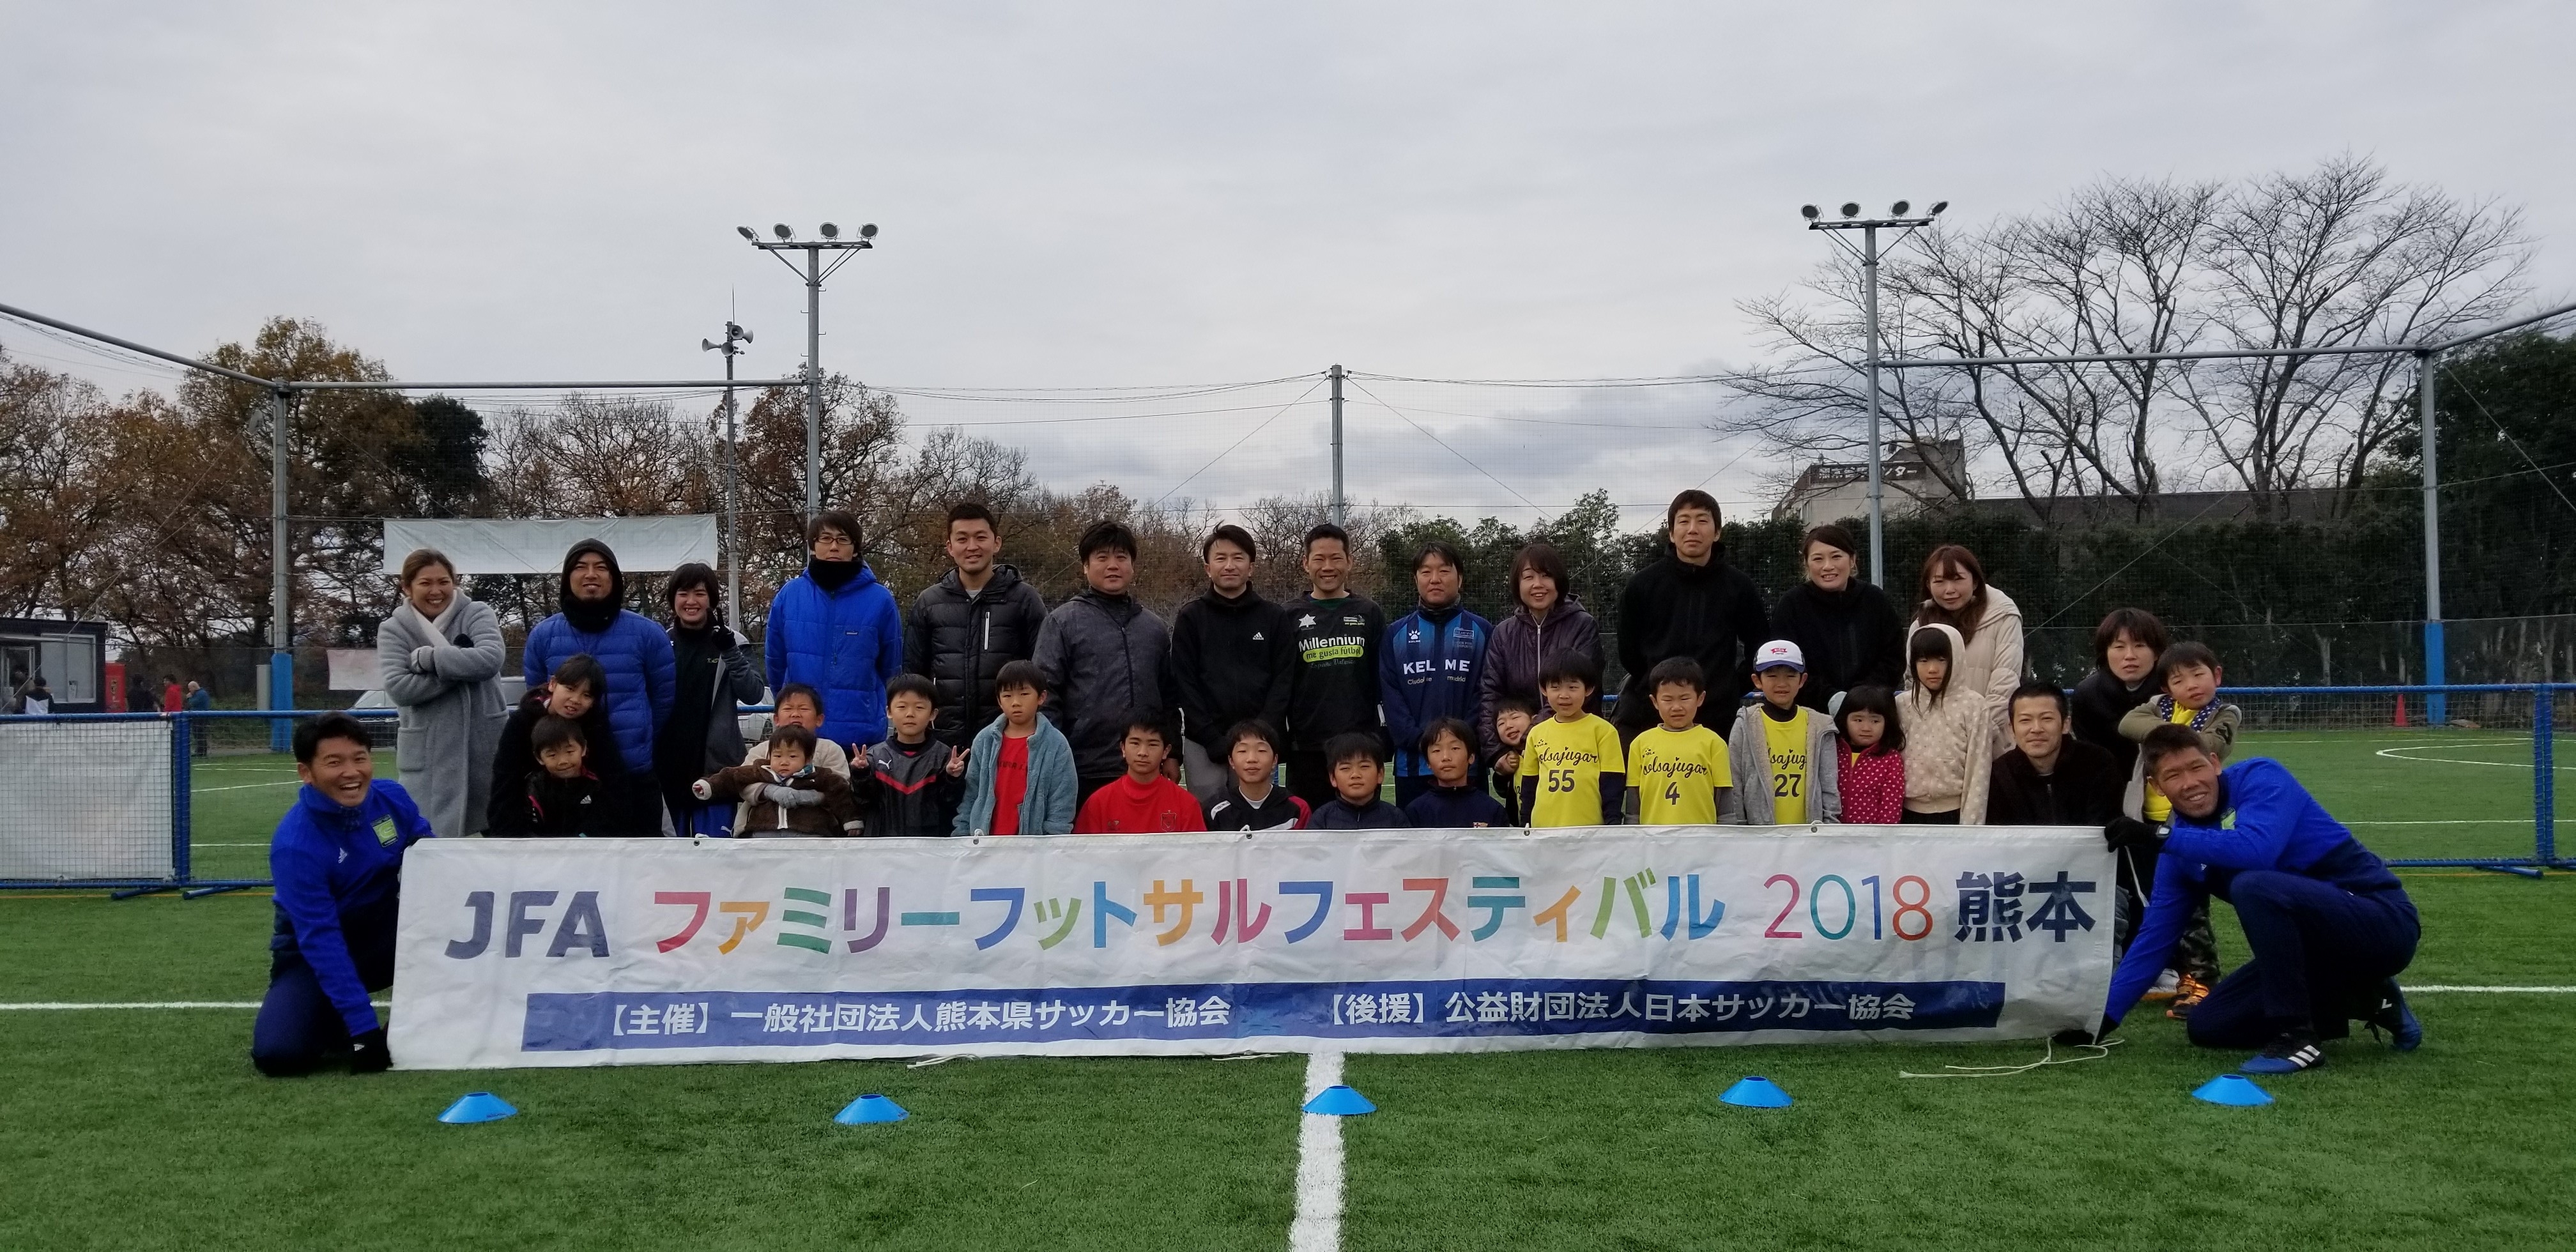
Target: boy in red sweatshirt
x: 1141, y: 801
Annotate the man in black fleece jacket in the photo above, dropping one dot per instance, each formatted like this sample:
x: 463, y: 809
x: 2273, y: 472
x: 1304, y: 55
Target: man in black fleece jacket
x: 1233, y: 657
x: 1334, y: 688
x: 1689, y: 603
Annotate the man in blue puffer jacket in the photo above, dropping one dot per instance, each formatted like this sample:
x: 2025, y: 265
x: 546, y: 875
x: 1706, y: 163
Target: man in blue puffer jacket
x: 337, y: 858
x: 634, y: 652
x: 837, y: 629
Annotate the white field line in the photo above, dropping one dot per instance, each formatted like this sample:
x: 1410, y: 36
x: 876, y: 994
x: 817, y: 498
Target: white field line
x: 199, y: 791
x: 1318, y: 1227
x: 2436, y: 988
x: 2392, y: 754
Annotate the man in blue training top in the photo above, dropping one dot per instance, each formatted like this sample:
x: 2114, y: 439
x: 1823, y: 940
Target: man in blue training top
x: 337, y: 858
x: 2329, y: 925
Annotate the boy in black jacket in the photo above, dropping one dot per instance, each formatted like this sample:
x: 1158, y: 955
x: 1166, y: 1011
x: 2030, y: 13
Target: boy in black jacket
x: 564, y: 797
x: 1358, y: 772
x: 1252, y: 798
x: 912, y: 782
x: 1334, y: 693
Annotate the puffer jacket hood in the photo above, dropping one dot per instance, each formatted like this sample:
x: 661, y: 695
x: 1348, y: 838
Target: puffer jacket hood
x: 591, y: 615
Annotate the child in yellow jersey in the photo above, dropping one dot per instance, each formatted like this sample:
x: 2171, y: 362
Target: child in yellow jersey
x: 1782, y: 749
x: 2189, y: 674
x: 1677, y: 772
x: 1572, y: 771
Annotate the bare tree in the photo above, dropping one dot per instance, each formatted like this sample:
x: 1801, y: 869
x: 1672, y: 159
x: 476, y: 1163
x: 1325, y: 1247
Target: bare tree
x: 2335, y: 256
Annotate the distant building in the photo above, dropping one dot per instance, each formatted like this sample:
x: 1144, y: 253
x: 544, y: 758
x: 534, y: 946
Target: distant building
x: 70, y: 656
x: 1913, y: 476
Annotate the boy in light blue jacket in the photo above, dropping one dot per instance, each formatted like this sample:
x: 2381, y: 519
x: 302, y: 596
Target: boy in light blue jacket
x: 1019, y: 775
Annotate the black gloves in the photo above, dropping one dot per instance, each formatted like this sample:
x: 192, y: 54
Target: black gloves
x: 2126, y: 833
x: 367, y: 1054
x: 2077, y: 1037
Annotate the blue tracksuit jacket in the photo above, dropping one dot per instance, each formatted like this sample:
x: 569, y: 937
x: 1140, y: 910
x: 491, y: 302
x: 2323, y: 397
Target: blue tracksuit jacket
x: 332, y: 863
x: 2264, y: 821
x: 1427, y: 670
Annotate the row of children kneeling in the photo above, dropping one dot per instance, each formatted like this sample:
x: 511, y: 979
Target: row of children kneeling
x: 1923, y: 755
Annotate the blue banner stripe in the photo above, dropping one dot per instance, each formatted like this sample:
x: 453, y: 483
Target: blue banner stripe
x: 1465, y: 1008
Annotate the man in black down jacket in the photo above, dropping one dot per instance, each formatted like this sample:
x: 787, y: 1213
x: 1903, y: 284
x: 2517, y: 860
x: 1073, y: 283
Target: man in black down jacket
x: 1233, y: 656
x: 1691, y: 603
x: 964, y: 628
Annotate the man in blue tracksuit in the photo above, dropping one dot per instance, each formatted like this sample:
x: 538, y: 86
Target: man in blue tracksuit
x: 2329, y: 925
x: 1427, y: 667
x: 337, y: 858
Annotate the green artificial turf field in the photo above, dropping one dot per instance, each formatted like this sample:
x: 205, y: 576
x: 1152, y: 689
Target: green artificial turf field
x: 148, y: 1128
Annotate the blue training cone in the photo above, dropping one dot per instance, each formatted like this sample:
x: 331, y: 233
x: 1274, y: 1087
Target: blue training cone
x: 1339, y: 1101
x: 1756, y: 1092
x: 2235, y: 1090
x: 870, y: 1108
x: 477, y: 1106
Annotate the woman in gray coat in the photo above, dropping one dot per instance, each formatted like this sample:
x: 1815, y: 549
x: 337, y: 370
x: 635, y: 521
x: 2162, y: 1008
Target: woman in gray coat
x: 439, y: 657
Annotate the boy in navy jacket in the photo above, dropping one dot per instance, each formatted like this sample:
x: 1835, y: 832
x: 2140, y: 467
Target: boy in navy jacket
x: 337, y: 858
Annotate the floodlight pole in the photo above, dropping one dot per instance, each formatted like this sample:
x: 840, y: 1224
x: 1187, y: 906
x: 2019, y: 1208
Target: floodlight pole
x: 813, y: 383
x: 734, y: 338
x: 1341, y: 507
x: 813, y: 275
x: 281, y: 629
x: 1869, y: 227
x: 2428, y: 367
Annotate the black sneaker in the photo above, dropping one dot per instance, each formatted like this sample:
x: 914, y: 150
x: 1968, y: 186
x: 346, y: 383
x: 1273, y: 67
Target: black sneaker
x: 2392, y: 1017
x: 2295, y: 1050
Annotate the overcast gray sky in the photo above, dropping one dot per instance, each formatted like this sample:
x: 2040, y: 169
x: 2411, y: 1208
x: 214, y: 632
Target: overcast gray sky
x: 1119, y: 195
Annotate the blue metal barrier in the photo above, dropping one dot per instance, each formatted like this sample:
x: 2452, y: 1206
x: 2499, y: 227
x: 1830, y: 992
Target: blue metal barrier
x: 183, y: 726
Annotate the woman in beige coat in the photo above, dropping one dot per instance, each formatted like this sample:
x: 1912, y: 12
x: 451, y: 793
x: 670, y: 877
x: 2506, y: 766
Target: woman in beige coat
x: 1954, y: 593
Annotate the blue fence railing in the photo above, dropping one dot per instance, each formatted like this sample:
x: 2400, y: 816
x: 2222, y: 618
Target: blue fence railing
x: 2268, y: 708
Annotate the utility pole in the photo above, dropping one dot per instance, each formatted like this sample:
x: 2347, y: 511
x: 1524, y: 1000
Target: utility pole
x: 1341, y: 506
x: 1869, y: 227
x: 281, y: 611
x: 734, y: 337
x: 813, y: 276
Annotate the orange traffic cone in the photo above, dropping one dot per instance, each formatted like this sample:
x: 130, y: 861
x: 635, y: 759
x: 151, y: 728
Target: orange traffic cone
x: 2400, y: 723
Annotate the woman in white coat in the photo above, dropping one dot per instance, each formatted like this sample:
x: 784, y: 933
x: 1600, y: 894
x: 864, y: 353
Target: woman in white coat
x: 1989, y: 661
x: 439, y: 657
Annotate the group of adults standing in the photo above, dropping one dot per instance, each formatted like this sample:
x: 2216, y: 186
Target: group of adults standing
x: 667, y: 708
x: 1323, y: 662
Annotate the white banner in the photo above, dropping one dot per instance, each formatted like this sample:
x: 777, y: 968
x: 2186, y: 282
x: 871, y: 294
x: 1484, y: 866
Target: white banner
x: 612, y: 951
x: 536, y: 545
x: 64, y: 818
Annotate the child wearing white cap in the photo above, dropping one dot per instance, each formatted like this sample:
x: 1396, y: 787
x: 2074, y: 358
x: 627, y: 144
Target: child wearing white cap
x: 1781, y: 752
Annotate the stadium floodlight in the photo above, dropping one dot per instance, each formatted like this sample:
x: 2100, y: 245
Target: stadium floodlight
x: 782, y: 232
x: 749, y: 233
x: 1868, y: 254
x: 830, y: 231
x: 868, y: 231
